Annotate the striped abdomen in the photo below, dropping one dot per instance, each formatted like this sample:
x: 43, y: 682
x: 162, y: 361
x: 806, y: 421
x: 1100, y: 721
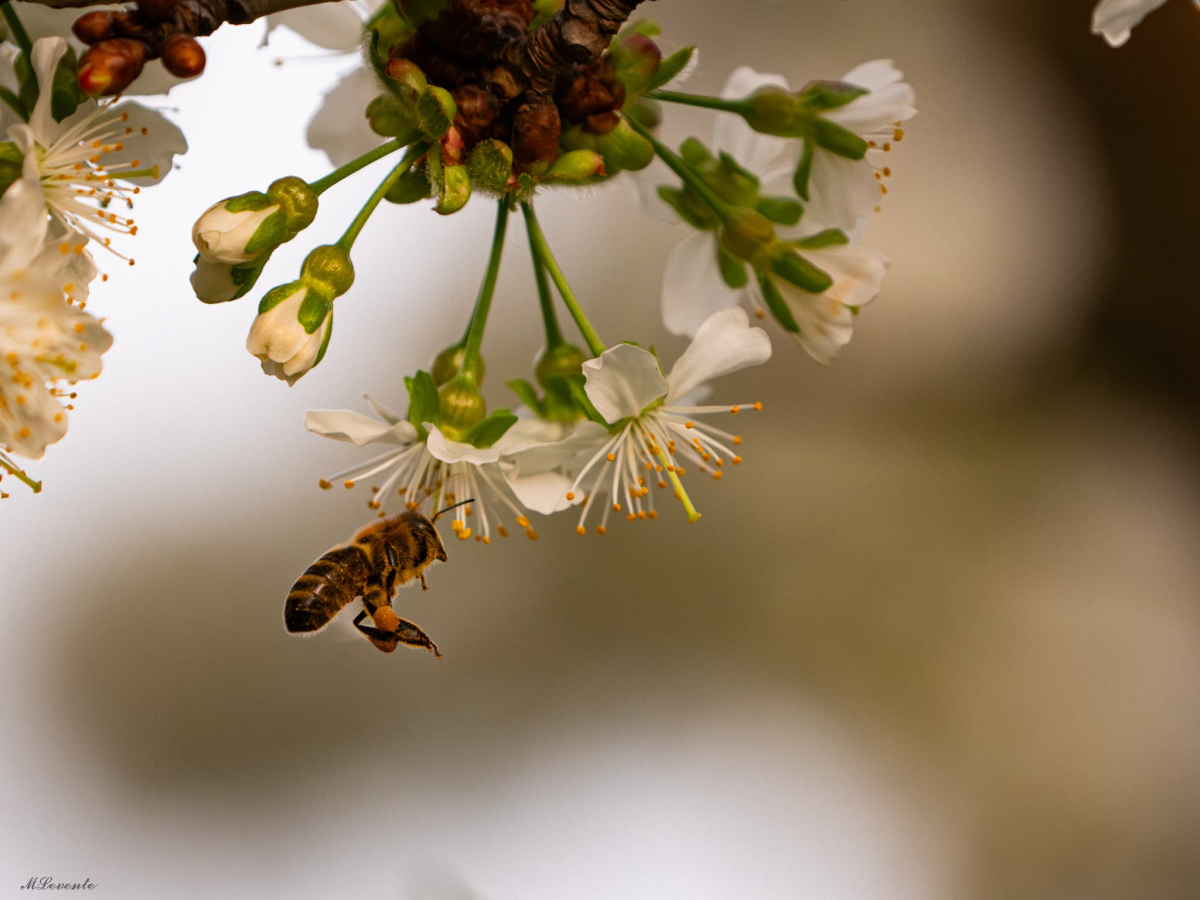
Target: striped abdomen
x: 325, y: 587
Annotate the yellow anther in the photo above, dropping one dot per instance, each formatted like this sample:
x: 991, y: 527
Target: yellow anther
x: 523, y: 521
x: 735, y: 410
x: 737, y: 460
x: 642, y: 515
x: 612, y: 457
x: 717, y: 476
x: 616, y: 507
x: 653, y: 514
x: 464, y: 534
x: 502, y: 531
x: 348, y: 484
x: 737, y: 440
x: 758, y: 407
x: 581, y: 531
x: 689, y: 424
x: 630, y: 517
x: 570, y: 495
x: 601, y: 530
x: 531, y: 534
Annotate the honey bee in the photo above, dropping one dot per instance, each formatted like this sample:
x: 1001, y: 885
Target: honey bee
x: 381, y: 557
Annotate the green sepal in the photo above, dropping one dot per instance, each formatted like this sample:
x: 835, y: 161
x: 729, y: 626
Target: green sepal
x: 490, y: 165
x: 781, y: 210
x: 830, y: 237
x: 577, y: 385
x: 435, y: 113
x: 13, y: 102
x: 624, y: 149
x: 325, y: 342
x: 578, y: 165
x: 778, y: 306
x: 645, y: 27
x: 575, y: 138
x: 485, y: 434
x: 388, y: 117
x: 424, y: 405
x: 313, y: 310
x: 821, y: 96
x: 418, y: 12
x: 11, y: 164
x: 65, y: 95
x: 839, y: 140
x: 385, y: 29
x: 413, y: 186
x: 246, y: 275
x: 560, y: 404
x: 528, y: 395
x: 526, y: 187
x: 670, y: 67
x: 647, y: 113
x: 454, y: 189
x: 733, y: 270
x: 694, y: 213
x: 27, y: 86
x: 795, y: 269
x: 277, y: 295
x: 804, y: 170
x: 694, y: 153
x: 271, y: 232
x: 635, y: 62
x: 251, y: 201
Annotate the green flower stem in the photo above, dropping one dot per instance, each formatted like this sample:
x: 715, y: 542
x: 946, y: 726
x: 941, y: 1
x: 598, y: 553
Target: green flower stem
x: 346, y: 241
x: 553, y: 333
x: 19, y: 474
x: 733, y: 106
x: 323, y: 184
x: 542, y: 252
x: 13, y: 102
x: 471, y: 358
x: 719, y: 207
x: 19, y: 33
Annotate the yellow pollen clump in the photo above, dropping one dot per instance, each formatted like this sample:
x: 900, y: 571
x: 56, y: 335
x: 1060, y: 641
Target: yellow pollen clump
x: 737, y: 440
x: 20, y: 398
x: 457, y: 525
x: 679, y: 471
x: 464, y: 534
x: 642, y: 515
x: 630, y: 517
x: 487, y: 541
x: 662, y: 484
x: 410, y: 506
x: 79, y: 328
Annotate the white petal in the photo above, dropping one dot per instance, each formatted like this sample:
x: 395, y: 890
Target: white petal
x: 1116, y: 18
x: 857, y: 272
x: 543, y: 492
x: 340, y: 126
x: 382, y: 411
x: 23, y: 224
x: 646, y: 183
x: 213, y: 282
x: 757, y: 152
x: 357, y: 429
x: 890, y: 101
x: 560, y: 452
x: 841, y: 192
x: 46, y: 54
x: 725, y: 343
x: 277, y: 334
x: 153, y: 141
x: 623, y: 382
x: 334, y: 26
x: 448, y: 451
x: 693, y: 288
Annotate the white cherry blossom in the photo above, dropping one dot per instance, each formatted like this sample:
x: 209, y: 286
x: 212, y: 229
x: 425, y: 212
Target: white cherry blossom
x: 1115, y: 19
x: 652, y: 419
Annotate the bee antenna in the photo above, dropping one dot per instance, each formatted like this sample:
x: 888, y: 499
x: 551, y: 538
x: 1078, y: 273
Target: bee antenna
x: 446, y: 509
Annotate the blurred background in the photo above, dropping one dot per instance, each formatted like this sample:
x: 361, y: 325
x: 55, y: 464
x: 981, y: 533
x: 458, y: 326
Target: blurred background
x: 939, y: 637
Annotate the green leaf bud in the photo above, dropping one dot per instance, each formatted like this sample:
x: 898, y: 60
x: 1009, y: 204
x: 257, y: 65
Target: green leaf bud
x: 635, y: 58
x: 412, y: 186
x: 623, y: 148
x: 454, y: 191
x: 490, y: 166
x: 435, y: 112
x: 789, y: 265
x: 328, y: 269
x: 462, y: 407
x: 578, y: 165
x: 749, y: 235
x: 449, y: 361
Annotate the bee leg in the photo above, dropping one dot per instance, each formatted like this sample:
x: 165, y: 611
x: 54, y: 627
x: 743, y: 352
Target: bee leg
x: 412, y: 635
x: 381, y: 639
x: 424, y: 586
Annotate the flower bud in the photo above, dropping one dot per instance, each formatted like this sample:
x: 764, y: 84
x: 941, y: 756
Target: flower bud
x: 409, y: 78
x: 449, y: 361
x: 536, y: 132
x: 462, y: 407
x: 96, y: 26
x: 292, y: 330
x: 297, y: 201
x: 219, y: 282
x: 749, y: 235
x: 110, y: 66
x: 636, y: 59
x: 771, y: 110
x: 328, y: 269
x: 490, y: 166
x: 388, y: 117
x: 239, y: 229
x: 560, y: 361
x: 183, y: 56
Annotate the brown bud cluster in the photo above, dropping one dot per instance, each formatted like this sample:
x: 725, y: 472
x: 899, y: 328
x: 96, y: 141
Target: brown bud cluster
x: 481, y: 51
x: 121, y: 42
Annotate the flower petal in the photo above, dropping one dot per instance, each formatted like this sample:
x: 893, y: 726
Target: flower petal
x: 1115, y: 19
x: 334, y: 26
x: 357, y: 429
x: 153, y: 141
x: 857, y: 272
x: 543, y: 492
x: 842, y: 191
x: 46, y: 54
x: 693, y: 288
x: 646, y: 183
x: 725, y: 343
x: 890, y: 101
x: 623, y: 382
x: 448, y: 451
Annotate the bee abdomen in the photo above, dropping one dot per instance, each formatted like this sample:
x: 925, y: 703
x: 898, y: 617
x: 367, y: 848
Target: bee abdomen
x: 325, y: 587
